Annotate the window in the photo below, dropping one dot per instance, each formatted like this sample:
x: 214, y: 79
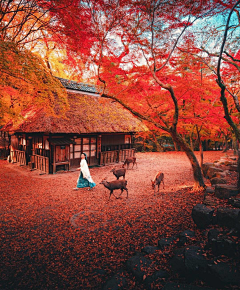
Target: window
x: 46, y: 145
x: 86, y: 145
x: 93, y: 147
x: 85, y: 148
x: 127, y: 139
x: 71, y: 151
x: 77, y: 148
x: 22, y: 141
x: 77, y: 154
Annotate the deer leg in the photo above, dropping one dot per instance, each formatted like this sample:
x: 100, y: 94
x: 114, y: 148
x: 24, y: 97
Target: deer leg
x: 115, y: 196
x: 127, y: 192
x: 111, y: 192
x: 121, y: 192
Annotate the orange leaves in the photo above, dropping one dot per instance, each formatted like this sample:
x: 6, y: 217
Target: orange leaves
x: 23, y: 21
x: 27, y: 82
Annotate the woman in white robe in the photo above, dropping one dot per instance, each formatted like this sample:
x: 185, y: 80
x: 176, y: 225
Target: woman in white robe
x: 84, y: 179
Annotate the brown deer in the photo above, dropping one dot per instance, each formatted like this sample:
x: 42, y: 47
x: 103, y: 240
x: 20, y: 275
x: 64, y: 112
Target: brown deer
x: 119, y: 172
x: 128, y: 161
x: 157, y: 181
x: 116, y: 184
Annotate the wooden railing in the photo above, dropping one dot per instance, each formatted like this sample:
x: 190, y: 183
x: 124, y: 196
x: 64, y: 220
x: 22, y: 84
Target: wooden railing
x: 18, y: 156
x: 41, y: 163
x: 123, y: 154
x: 115, y: 156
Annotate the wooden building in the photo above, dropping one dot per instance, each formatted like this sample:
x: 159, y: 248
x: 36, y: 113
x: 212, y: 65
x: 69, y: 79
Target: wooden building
x: 98, y: 126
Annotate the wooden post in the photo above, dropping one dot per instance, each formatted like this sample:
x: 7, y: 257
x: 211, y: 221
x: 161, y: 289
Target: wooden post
x: 47, y: 165
x: 54, y: 159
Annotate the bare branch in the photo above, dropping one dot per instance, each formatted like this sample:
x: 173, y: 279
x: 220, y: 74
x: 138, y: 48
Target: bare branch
x: 223, y: 58
x: 234, y: 59
x: 220, y: 82
x: 224, y: 41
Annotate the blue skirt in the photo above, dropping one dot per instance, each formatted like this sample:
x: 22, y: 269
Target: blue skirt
x: 83, y: 182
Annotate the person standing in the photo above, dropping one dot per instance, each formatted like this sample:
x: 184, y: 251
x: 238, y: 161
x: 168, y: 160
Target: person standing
x: 84, y: 179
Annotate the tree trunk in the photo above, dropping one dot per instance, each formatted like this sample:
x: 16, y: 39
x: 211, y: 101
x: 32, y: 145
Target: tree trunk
x: 177, y: 139
x: 159, y: 147
x: 144, y: 145
x: 200, y: 147
x: 175, y: 145
x: 238, y: 170
x: 191, y: 142
x: 235, y: 146
x: 226, y: 144
x: 197, y: 173
x: 201, y: 153
x: 191, y: 138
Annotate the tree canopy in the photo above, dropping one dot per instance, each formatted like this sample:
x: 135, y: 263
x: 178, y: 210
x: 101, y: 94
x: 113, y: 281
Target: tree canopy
x: 26, y: 83
x: 160, y: 59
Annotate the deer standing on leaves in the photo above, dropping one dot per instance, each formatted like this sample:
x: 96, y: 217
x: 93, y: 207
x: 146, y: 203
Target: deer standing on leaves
x: 128, y: 161
x: 116, y: 184
x: 119, y: 172
x: 157, y: 181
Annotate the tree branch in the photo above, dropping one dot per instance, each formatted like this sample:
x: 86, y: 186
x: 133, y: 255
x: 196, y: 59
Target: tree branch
x: 219, y: 79
x: 234, y: 59
x: 137, y: 114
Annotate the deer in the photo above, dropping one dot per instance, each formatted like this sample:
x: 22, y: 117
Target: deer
x: 128, y: 161
x: 115, y: 184
x: 157, y: 181
x: 119, y: 172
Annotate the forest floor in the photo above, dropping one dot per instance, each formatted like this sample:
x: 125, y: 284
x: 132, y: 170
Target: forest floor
x: 53, y: 237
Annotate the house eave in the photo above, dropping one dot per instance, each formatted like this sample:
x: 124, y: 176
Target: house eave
x: 82, y: 93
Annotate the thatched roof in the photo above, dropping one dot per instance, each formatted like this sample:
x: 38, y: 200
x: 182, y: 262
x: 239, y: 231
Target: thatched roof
x: 87, y: 114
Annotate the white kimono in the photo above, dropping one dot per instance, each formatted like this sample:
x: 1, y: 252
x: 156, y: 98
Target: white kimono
x: 85, y: 170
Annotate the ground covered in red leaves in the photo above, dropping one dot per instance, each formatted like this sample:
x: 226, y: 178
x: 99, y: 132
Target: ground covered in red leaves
x: 53, y: 237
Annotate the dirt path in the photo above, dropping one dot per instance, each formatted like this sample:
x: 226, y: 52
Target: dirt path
x: 55, y: 238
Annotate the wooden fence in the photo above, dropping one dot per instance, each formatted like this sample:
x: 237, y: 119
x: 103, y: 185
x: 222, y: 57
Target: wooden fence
x: 41, y: 163
x: 123, y: 154
x: 18, y: 157
x: 115, y: 156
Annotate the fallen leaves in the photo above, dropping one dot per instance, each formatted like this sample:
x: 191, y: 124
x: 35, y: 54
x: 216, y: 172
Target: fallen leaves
x: 54, y: 237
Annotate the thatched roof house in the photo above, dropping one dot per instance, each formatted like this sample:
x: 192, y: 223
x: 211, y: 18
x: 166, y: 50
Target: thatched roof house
x: 96, y: 125
x: 87, y: 114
